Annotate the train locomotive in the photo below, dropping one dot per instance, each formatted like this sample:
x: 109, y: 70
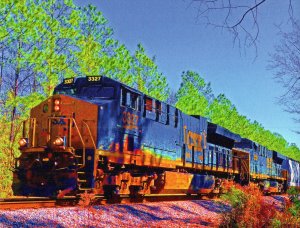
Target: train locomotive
x: 99, y: 135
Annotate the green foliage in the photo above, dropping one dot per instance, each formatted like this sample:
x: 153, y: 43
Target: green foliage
x: 293, y: 191
x: 220, y: 111
x: 118, y: 66
x: 147, y: 77
x: 295, y: 209
x: 294, y: 194
x: 235, y: 197
x: 5, y: 158
x: 276, y: 223
x: 193, y: 94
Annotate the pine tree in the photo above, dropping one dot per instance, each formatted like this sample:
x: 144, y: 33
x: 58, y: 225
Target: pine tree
x: 193, y: 95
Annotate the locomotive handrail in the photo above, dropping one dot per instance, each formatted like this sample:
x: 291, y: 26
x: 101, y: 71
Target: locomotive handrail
x: 72, y: 120
x: 32, y: 121
x: 33, y: 131
x: 83, y: 144
x: 89, y: 130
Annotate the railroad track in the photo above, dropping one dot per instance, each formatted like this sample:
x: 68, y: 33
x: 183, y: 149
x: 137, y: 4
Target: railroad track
x: 44, y: 202
x: 36, y: 202
x: 127, y: 199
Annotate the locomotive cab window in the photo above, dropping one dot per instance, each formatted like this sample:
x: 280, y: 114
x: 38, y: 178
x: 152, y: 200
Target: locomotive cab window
x: 158, y: 107
x: 123, y: 97
x: 176, y: 117
x: 68, y: 91
x: 98, y: 91
x: 254, y: 147
x: 106, y: 92
x: 130, y: 99
x: 148, y: 104
x: 135, y: 101
x: 168, y: 114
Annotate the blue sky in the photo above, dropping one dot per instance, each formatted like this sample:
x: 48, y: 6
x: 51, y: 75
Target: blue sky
x: 169, y: 30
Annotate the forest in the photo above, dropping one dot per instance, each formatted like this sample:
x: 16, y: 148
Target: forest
x: 43, y: 42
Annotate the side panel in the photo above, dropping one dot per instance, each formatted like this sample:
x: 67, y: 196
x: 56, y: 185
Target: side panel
x: 160, y: 138
x: 144, y: 138
x: 194, y: 134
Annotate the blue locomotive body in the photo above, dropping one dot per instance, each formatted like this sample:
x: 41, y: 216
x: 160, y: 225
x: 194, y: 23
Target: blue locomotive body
x: 121, y: 141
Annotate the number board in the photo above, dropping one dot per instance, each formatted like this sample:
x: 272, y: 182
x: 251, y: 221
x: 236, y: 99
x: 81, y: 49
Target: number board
x: 68, y: 81
x: 93, y: 78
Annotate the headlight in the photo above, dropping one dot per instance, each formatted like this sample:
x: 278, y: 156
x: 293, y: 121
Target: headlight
x: 58, y: 141
x: 23, y: 142
x: 56, y: 101
x: 56, y: 108
x: 56, y: 105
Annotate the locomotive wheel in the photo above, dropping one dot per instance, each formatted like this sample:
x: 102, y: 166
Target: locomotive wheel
x: 111, y: 192
x: 135, y: 192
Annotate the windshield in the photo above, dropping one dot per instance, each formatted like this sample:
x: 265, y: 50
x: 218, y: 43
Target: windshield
x: 97, y: 91
x: 68, y: 91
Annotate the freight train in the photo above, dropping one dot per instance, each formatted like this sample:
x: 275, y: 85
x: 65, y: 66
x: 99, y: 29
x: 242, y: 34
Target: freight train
x: 99, y: 135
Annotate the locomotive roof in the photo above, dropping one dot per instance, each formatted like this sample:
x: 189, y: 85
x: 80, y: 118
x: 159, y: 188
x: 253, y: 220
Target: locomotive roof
x: 223, y: 132
x: 277, y: 156
x: 221, y: 136
x: 84, y: 81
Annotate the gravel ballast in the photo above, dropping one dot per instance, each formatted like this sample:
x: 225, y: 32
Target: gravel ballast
x: 196, y: 213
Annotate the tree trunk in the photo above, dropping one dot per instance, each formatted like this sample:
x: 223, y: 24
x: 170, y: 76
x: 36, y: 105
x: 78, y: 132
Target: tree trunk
x: 14, y: 109
x: 1, y: 69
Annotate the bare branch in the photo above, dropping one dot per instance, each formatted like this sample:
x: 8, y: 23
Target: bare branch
x: 240, y: 18
x: 248, y: 11
x: 285, y: 61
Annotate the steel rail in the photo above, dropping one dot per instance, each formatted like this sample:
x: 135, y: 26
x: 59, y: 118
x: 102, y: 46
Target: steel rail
x: 36, y: 202
x: 89, y: 199
x: 127, y: 199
